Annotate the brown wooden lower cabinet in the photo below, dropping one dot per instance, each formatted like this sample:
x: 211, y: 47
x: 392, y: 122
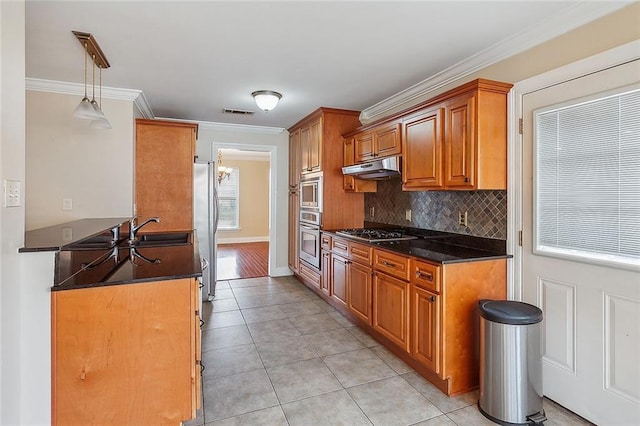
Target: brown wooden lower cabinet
x: 424, y: 312
x: 339, y: 280
x: 391, y: 309
x: 325, y: 283
x: 359, y: 291
x: 425, y: 328
x: 126, y: 354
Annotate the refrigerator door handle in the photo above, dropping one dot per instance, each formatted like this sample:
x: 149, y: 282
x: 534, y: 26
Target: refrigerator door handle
x: 216, y: 201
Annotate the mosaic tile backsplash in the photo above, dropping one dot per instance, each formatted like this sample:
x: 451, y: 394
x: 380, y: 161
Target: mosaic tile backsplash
x: 438, y: 210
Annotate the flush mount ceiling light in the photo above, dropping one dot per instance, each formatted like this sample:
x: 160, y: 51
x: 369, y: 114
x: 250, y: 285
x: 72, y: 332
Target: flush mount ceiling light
x: 266, y: 99
x: 92, y: 110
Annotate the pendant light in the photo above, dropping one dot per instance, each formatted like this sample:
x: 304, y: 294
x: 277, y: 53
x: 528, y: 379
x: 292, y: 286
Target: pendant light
x: 91, y: 109
x: 101, y: 123
x: 85, y: 109
x: 96, y: 108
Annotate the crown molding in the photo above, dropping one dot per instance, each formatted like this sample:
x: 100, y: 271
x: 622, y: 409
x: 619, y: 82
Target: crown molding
x: 229, y: 127
x: 565, y: 21
x: 66, y: 88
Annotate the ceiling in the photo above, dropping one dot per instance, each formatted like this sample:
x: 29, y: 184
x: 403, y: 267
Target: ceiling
x: 192, y: 59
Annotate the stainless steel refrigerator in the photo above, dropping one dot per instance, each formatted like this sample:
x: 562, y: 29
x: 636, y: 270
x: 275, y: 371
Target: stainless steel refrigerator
x: 205, y: 218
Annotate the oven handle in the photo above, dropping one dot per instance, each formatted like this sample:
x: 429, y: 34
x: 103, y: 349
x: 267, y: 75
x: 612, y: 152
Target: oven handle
x: 309, y: 227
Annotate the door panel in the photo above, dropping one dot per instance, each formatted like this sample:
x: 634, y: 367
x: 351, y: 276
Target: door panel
x: 591, y: 331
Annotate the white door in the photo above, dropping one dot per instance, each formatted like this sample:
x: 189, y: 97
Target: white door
x: 591, y: 328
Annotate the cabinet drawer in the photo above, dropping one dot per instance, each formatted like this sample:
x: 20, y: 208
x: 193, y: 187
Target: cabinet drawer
x: 392, y: 264
x: 310, y: 275
x: 425, y: 275
x: 340, y: 246
x: 325, y: 242
x: 360, y: 253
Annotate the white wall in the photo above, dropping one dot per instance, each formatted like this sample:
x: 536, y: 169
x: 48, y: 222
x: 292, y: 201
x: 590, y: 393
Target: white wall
x: 65, y: 158
x: 212, y: 137
x: 12, y: 146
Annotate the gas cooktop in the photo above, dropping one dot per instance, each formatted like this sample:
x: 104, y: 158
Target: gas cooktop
x: 375, y: 235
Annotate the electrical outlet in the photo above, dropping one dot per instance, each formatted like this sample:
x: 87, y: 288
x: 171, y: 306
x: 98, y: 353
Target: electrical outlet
x: 12, y: 193
x: 372, y: 211
x: 407, y: 215
x: 67, y: 204
x: 462, y: 218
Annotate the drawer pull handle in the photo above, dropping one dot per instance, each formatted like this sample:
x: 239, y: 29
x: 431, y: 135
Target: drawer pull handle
x: 427, y: 276
x: 389, y: 264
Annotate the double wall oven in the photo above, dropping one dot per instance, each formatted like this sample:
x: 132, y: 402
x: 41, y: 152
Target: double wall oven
x: 310, y: 218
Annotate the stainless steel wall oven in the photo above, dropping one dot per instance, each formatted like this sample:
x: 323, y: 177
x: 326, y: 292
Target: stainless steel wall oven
x: 310, y: 237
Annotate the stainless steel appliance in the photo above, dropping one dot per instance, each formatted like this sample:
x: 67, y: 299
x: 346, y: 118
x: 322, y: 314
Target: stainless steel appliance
x: 311, y: 192
x: 205, y: 218
x: 378, y: 169
x: 375, y: 235
x: 310, y: 237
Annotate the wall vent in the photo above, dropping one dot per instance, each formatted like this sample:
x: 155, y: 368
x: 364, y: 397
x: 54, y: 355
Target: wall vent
x: 237, y: 111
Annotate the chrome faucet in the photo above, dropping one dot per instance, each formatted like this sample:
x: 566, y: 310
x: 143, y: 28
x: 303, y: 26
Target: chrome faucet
x: 133, y: 228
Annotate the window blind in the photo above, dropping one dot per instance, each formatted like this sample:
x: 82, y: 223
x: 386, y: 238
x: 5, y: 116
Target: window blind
x: 228, y: 195
x: 588, y: 178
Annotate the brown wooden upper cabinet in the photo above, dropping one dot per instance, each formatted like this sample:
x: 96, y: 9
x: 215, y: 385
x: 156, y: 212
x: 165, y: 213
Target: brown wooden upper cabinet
x: 311, y: 146
x: 381, y: 141
x: 457, y: 140
x: 350, y: 183
x: 164, y: 173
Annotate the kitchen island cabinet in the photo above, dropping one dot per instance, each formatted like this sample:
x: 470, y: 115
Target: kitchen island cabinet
x: 126, y: 354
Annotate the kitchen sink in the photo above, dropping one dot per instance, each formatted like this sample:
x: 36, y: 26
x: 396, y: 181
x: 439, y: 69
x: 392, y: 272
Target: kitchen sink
x: 159, y: 239
x: 97, y: 242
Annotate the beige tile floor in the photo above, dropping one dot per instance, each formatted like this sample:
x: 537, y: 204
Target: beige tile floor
x: 277, y: 354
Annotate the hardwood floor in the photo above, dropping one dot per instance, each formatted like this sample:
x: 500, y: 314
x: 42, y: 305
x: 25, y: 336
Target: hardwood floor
x: 247, y: 260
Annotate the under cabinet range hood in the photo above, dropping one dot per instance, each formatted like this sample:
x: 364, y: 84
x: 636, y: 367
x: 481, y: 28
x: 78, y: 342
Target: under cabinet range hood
x: 378, y: 169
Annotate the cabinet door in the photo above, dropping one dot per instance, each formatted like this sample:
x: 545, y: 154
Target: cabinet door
x: 339, y: 281
x: 315, y: 146
x: 348, y: 158
x: 293, y: 231
x: 387, y: 140
x: 391, y: 309
x: 197, y: 370
x: 363, y: 147
x: 425, y: 326
x: 325, y: 283
x: 359, y: 295
x: 305, y: 149
x: 459, y: 141
x: 295, y: 160
x: 422, y: 148
x: 164, y: 173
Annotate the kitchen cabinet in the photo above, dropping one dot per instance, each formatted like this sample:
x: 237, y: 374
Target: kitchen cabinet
x: 381, y: 141
x: 425, y: 328
x: 339, y: 279
x: 310, y: 275
x: 321, y: 154
x: 164, y: 155
x: 351, y: 184
x: 325, y: 283
x: 391, y: 263
x: 311, y: 146
x: 126, y: 354
x: 391, y: 309
x: 359, y: 286
x: 294, y: 199
x: 422, y: 145
x: 458, y: 140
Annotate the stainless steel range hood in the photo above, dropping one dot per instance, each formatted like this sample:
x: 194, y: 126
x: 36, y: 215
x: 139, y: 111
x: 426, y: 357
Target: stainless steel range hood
x: 378, y: 169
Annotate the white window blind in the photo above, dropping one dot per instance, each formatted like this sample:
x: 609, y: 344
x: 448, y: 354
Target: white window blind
x: 228, y: 195
x: 588, y: 179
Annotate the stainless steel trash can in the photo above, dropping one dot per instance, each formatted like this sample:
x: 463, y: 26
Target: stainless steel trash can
x: 510, y: 362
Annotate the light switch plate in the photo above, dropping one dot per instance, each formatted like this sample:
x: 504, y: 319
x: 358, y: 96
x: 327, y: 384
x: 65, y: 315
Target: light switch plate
x: 407, y: 215
x: 67, y: 204
x: 12, y: 193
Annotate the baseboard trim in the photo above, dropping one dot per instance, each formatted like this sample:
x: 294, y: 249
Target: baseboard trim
x: 239, y: 240
x: 281, y: 272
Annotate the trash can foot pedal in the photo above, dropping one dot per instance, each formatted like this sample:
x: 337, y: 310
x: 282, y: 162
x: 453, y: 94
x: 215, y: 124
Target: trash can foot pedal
x: 537, y: 418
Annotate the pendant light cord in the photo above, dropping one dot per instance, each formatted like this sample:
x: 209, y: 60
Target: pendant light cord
x: 100, y: 74
x: 93, y: 79
x: 85, y: 69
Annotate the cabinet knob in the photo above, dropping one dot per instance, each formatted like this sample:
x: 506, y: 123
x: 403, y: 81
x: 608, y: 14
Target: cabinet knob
x: 432, y: 299
x: 466, y: 179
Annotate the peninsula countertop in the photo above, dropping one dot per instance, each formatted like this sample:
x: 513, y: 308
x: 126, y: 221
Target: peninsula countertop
x: 56, y: 237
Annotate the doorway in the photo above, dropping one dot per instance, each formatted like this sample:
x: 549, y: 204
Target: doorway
x: 244, y: 193
x: 591, y: 306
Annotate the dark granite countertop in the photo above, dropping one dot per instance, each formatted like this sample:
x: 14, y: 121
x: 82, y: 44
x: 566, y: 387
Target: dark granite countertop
x: 441, y: 247
x: 124, y: 265
x: 56, y: 237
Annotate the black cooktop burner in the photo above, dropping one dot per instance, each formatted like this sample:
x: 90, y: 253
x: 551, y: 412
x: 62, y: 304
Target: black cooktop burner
x: 375, y: 235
